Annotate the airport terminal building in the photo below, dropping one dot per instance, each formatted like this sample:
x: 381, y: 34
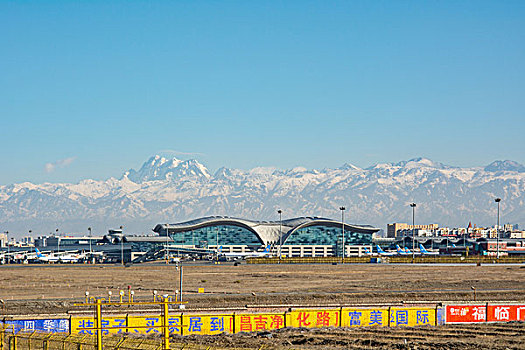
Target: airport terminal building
x: 303, y: 236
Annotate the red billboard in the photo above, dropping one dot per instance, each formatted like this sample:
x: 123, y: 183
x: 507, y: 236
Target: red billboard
x: 466, y: 313
x: 484, y: 313
x: 505, y: 313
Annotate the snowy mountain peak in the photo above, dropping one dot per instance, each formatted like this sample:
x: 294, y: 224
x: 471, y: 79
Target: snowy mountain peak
x: 505, y: 165
x: 348, y: 166
x: 172, y: 189
x: 155, y: 168
x: 419, y: 162
x: 190, y: 168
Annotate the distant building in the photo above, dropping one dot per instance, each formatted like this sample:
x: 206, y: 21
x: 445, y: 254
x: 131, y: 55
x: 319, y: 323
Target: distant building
x: 397, y: 229
x: 517, y: 234
x: 303, y: 236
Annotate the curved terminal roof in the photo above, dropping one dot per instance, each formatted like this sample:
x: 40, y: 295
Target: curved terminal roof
x: 267, y: 231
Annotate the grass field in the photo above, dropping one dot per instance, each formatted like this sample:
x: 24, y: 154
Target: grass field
x: 54, y: 288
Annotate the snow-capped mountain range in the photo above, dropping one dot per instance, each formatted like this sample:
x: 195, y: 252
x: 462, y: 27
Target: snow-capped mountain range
x: 172, y: 190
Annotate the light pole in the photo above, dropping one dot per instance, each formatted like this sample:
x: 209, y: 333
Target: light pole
x: 29, y: 241
x: 280, y: 212
x: 90, y: 250
x: 497, y: 200
x: 167, y: 238
x: 343, y: 227
x: 58, y: 241
x: 217, y: 243
x: 7, y: 237
x: 413, y: 205
x: 122, y: 245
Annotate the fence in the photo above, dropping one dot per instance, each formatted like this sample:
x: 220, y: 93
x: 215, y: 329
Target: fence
x: 51, y: 341
x: 47, y: 341
x: 155, y: 331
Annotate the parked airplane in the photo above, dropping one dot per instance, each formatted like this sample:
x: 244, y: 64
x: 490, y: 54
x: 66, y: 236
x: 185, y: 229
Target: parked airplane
x: 59, y: 257
x: 382, y: 252
x: 264, y: 253
x: 401, y: 251
x: 426, y: 252
x: 409, y: 252
x: 367, y: 252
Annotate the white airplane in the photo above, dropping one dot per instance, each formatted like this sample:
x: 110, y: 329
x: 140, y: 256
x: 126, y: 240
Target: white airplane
x: 264, y: 253
x: 401, y: 251
x: 409, y: 252
x: 426, y: 252
x: 367, y: 252
x: 382, y: 252
x: 60, y: 257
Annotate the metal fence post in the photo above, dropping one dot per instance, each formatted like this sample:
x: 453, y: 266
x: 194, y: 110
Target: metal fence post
x: 165, y: 318
x: 98, y: 323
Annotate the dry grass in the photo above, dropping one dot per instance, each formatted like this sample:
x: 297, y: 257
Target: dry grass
x: 41, y: 289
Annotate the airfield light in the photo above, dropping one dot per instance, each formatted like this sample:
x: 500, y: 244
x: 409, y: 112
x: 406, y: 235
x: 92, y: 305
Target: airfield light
x: 109, y: 296
x: 165, y: 296
x: 121, y: 295
x: 87, y: 296
x: 132, y: 293
x: 155, y: 295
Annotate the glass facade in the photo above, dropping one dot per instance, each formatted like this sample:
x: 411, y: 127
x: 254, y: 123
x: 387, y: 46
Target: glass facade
x: 144, y: 246
x: 327, y: 235
x: 208, y: 235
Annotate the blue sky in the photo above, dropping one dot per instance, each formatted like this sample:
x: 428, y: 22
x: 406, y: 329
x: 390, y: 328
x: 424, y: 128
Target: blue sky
x: 92, y: 88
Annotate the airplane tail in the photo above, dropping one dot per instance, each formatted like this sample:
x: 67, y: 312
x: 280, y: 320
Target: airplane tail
x: 399, y: 250
x: 407, y: 250
x: 379, y: 250
x: 267, y: 249
x: 423, y: 250
x: 38, y: 254
x: 219, y: 249
x: 366, y: 251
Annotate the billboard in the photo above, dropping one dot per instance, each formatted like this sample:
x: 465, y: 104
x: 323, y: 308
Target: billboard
x: 412, y: 316
x: 364, y: 317
x: 314, y: 318
x: 259, y: 322
x: 465, y: 313
x: 57, y: 325
x: 85, y: 325
x: 207, y: 324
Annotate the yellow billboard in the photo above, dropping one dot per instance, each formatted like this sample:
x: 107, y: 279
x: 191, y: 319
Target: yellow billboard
x: 85, y: 325
x: 364, y: 317
x: 153, y: 324
x: 412, y: 316
x: 207, y: 324
x: 259, y: 322
x: 314, y: 318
